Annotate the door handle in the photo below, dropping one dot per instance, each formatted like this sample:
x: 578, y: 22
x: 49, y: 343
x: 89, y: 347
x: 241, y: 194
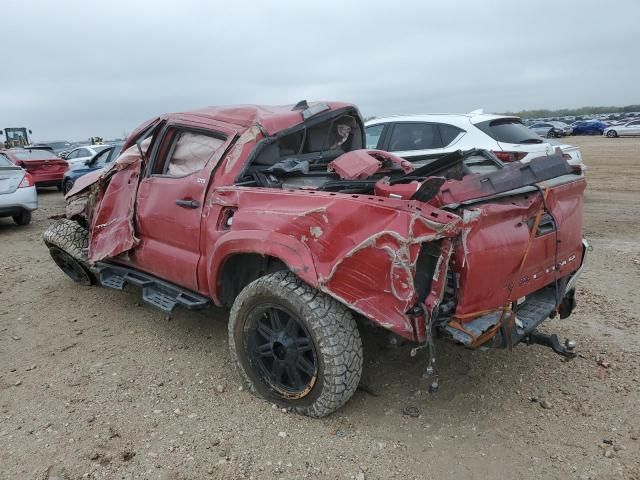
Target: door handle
x: 188, y: 203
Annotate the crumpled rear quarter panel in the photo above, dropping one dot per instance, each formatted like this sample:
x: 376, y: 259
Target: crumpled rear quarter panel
x: 364, y: 248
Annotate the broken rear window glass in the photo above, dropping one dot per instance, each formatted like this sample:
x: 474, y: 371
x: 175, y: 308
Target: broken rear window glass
x: 191, y: 152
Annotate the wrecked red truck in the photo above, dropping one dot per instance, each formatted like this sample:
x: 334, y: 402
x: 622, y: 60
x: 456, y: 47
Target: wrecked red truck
x: 280, y: 214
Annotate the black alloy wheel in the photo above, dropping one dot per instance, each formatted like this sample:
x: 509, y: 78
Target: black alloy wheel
x: 281, y: 349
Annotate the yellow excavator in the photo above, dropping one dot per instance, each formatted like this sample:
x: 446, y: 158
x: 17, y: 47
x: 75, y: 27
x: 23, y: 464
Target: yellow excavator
x: 16, y: 137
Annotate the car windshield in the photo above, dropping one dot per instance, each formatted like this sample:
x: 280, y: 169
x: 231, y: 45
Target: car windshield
x: 4, y: 162
x: 508, y: 130
x: 35, y: 155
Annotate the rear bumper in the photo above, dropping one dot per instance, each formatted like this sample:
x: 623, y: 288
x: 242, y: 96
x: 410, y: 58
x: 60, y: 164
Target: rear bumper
x: 49, y: 183
x: 22, y: 199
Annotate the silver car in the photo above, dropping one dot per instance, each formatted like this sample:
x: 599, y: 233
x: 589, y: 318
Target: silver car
x: 630, y: 128
x: 18, y: 195
x: 551, y: 129
x: 77, y: 157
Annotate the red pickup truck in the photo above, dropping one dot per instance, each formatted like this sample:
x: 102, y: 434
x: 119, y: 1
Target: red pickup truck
x: 280, y: 214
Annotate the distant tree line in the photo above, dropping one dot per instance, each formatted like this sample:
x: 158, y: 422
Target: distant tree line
x: 573, y: 112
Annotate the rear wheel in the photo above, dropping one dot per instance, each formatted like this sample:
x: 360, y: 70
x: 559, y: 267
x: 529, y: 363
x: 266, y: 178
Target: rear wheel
x: 68, y: 242
x: 23, y: 218
x: 612, y: 134
x: 294, y: 345
x: 551, y: 134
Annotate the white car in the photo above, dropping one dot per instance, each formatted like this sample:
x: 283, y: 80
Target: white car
x: 18, y: 195
x: 421, y: 137
x: 78, y: 157
x: 630, y: 128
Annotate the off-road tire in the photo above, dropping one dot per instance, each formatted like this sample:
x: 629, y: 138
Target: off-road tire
x: 332, y: 329
x: 68, y: 241
x: 23, y: 218
x: 67, y: 185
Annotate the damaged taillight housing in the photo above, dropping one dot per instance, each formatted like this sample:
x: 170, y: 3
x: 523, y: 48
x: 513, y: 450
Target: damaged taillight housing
x: 509, y: 157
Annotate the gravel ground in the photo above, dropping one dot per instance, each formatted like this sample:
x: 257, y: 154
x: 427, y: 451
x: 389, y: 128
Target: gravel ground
x: 95, y: 385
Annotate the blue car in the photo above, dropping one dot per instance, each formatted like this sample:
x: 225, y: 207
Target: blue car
x: 588, y: 127
x: 98, y: 161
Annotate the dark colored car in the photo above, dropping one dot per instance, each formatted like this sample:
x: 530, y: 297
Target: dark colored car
x: 281, y: 214
x: 46, y: 168
x: 588, y: 127
x: 99, y: 160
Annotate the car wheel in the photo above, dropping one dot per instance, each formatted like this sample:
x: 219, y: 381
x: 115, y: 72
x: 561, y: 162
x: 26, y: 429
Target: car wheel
x: 68, y: 242
x: 294, y: 345
x: 23, y: 218
x: 67, y: 185
x: 612, y: 134
x: 551, y: 134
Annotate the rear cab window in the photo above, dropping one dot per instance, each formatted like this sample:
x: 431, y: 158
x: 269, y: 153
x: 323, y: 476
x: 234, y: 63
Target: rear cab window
x: 508, y: 130
x: 187, y: 152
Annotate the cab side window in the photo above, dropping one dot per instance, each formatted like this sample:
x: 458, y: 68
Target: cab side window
x: 188, y: 152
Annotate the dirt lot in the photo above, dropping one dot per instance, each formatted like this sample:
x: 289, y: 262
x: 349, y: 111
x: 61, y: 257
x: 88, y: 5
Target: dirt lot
x: 94, y: 385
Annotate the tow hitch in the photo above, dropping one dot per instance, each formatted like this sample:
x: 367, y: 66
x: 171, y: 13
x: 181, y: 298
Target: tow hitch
x: 568, y: 350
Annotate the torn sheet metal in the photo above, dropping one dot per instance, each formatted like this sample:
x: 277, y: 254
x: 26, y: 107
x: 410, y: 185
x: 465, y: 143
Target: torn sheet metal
x: 106, y: 201
x: 363, y: 249
x: 361, y: 164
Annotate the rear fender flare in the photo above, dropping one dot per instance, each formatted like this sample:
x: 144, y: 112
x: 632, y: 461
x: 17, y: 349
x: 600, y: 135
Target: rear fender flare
x: 293, y: 253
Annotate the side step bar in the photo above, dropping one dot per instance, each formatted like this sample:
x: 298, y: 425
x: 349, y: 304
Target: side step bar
x: 155, y: 292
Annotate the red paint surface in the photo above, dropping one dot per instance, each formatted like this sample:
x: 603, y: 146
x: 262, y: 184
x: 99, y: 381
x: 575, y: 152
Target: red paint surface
x: 496, y: 241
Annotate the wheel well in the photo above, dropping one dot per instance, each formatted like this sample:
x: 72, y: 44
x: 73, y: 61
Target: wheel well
x: 241, y: 269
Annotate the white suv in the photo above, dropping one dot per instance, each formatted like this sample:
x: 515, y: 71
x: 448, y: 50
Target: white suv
x: 421, y: 137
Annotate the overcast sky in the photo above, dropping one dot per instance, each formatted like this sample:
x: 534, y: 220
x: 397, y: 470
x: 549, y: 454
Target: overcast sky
x: 73, y: 69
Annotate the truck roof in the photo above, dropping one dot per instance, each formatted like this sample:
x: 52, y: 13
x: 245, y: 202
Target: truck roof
x: 272, y: 118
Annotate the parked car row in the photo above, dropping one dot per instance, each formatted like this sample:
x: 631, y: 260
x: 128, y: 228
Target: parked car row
x: 102, y: 158
x: 613, y: 129
x: 23, y: 170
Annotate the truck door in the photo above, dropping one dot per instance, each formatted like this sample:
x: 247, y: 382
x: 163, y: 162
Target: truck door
x: 170, y: 200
